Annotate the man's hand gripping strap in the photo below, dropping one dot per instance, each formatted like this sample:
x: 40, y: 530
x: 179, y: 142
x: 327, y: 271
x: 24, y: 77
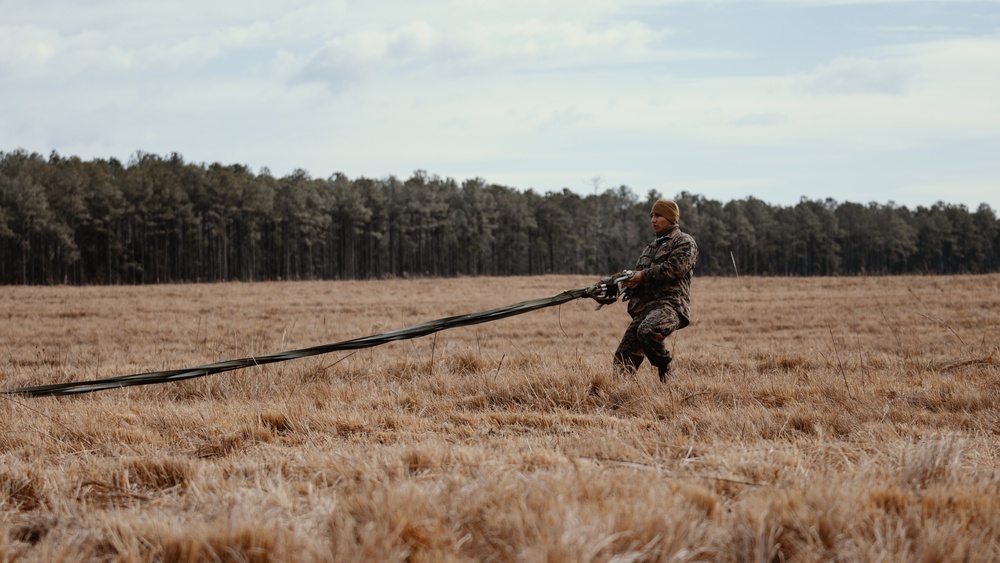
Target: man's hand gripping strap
x: 607, y: 291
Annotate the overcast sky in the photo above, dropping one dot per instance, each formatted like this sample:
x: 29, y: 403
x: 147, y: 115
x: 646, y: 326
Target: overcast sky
x: 854, y: 100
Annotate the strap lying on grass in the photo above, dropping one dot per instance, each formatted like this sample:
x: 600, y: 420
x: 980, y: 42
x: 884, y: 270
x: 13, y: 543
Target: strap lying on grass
x: 415, y: 331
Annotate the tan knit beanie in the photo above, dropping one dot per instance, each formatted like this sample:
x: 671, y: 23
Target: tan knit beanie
x: 667, y: 208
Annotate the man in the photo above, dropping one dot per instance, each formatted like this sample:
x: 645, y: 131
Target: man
x: 658, y: 293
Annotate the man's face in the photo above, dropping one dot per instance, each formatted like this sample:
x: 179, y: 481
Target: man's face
x: 659, y: 222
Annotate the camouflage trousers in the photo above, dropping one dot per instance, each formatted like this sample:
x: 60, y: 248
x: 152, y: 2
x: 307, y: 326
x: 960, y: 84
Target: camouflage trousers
x: 646, y: 336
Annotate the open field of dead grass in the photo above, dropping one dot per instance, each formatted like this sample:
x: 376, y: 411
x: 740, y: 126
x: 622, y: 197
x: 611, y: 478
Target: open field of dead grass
x: 809, y: 420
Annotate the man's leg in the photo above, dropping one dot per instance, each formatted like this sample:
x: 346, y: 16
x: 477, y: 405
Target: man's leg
x: 629, y: 355
x: 652, y: 333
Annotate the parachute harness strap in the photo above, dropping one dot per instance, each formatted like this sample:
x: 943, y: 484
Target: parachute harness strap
x: 415, y: 331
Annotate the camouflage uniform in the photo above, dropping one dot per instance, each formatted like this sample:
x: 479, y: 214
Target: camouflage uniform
x: 661, y: 303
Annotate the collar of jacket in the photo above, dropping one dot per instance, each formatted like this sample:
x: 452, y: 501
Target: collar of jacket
x: 667, y: 233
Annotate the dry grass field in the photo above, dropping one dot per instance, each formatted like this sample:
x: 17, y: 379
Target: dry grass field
x: 851, y: 419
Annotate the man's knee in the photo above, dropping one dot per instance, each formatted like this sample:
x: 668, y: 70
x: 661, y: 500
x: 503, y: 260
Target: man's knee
x: 651, y: 333
x: 656, y: 327
x: 653, y: 339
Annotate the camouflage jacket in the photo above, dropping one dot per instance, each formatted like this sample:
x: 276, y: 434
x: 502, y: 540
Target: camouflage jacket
x: 666, y: 266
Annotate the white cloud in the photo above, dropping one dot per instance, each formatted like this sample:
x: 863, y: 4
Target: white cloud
x: 479, y: 48
x: 347, y: 59
x: 26, y: 47
x: 762, y: 119
x: 563, y: 119
x: 858, y: 75
x: 907, y: 96
x: 130, y: 37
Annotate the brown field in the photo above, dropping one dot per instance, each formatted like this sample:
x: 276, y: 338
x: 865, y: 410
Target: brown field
x: 851, y: 419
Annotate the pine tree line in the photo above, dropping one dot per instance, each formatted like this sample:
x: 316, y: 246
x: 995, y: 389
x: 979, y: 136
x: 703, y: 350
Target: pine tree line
x: 161, y: 220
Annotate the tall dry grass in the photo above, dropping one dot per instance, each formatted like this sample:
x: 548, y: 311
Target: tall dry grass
x: 808, y: 420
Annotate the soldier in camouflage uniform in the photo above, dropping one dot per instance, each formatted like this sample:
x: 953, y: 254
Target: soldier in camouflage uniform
x: 658, y: 293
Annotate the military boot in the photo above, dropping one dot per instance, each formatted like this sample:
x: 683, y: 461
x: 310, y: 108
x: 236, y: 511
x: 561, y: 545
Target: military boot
x: 662, y: 363
x: 665, y: 372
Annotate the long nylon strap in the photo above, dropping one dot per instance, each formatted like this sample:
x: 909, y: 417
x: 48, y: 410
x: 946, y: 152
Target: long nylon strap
x: 414, y: 331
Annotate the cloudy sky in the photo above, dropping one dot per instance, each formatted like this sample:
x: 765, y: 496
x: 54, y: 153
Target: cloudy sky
x: 854, y: 100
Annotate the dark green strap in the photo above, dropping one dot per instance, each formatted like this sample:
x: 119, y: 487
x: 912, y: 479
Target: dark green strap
x: 355, y: 344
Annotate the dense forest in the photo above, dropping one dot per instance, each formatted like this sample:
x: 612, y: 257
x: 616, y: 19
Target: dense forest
x: 160, y: 219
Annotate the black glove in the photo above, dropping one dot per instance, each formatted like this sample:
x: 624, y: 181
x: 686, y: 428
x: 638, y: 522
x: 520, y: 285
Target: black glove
x: 608, y: 293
